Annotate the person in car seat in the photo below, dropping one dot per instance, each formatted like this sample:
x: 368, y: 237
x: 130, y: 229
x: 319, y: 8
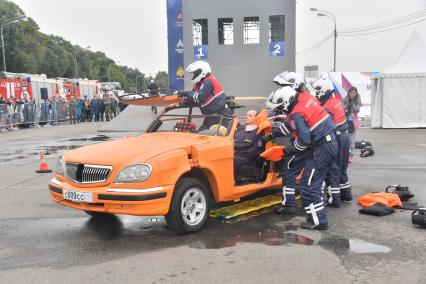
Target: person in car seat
x: 247, y: 147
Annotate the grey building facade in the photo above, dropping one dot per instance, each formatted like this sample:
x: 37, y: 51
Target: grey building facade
x: 247, y: 42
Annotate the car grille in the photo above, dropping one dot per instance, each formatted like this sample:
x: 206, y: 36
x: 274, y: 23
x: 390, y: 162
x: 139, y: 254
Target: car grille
x: 86, y: 173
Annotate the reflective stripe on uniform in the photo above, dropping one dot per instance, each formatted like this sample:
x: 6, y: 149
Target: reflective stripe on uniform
x: 345, y: 185
x: 315, y: 206
x: 313, y: 209
x: 284, y: 129
x: 310, y: 177
x: 289, y: 191
x: 331, y: 191
x: 298, y: 146
x: 195, y: 97
x: 288, y: 164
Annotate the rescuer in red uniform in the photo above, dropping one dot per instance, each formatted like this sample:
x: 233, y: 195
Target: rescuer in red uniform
x: 338, y: 173
x: 314, y: 128
x: 207, y: 93
x: 291, y: 164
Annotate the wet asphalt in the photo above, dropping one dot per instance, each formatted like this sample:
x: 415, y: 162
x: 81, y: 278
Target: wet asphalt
x: 42, y: 242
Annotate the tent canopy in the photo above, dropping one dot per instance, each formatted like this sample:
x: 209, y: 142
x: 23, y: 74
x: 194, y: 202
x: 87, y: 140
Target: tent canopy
x: 399, y: 93
x: 412, y: 58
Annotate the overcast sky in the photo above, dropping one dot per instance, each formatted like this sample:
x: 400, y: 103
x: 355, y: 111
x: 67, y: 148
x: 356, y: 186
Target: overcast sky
x: 134, y: 32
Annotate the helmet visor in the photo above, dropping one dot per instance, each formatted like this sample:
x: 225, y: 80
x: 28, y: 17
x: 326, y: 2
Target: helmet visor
x: 196, y: 73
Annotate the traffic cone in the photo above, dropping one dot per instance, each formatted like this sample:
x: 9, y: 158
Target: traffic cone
x: 43, y: 166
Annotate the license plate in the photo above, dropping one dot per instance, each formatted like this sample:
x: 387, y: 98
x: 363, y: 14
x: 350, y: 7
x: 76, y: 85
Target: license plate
x: 78, y: 196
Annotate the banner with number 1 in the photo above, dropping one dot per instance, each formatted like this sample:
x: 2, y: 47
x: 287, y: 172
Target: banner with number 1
x: 201, y: 52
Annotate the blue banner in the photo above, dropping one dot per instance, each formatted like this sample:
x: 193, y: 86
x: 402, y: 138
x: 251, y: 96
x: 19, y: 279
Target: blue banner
x: 175, y: 45
x: 276, y: 48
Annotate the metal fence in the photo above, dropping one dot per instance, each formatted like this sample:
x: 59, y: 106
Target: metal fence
x: 15, y: 115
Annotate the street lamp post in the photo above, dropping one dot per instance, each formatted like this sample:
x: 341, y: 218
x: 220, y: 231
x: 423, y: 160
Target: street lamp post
x: 322, y: 13
x: 137, y: 77
x: 75, y: 60
x: 3, y: 25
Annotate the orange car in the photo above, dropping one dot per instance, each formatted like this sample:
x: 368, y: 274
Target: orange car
x: 172, y: 170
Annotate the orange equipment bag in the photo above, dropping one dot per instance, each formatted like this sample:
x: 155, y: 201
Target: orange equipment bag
x: 274, y: 153
x: 389, y: 199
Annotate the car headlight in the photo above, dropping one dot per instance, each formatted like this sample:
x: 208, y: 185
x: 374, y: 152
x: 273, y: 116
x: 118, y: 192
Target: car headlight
x: 139, y: 172
x: 60, y: 167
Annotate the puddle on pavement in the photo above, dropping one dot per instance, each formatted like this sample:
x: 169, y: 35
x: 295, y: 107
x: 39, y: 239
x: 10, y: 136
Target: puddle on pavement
x: 91, y: 139
x: 10, y: 155
x: 89, y: 240
x: 49, y: 150
x: 14, y: 155
x: 267, y: 229
x: 360, y: 246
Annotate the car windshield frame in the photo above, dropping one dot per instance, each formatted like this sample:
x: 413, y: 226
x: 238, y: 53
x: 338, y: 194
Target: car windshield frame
x: 155, y: 126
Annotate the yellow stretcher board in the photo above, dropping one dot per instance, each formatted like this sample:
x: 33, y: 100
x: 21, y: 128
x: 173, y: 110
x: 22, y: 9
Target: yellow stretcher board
x: 146, y: 100
x: 245, y: 207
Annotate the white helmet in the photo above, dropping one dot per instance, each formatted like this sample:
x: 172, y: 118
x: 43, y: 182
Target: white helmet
x: 280, y: 79
x: 200, y: 69
x: 281, y: 99
x: 323, y: 88
x: 292, y: 79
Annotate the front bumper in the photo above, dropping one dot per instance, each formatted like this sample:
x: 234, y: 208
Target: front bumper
x: 140, y: 202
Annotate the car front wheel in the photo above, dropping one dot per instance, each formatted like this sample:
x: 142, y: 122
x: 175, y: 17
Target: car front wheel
x: 189, y: 207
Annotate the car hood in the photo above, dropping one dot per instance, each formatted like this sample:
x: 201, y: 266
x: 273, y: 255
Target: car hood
x: 137, y: 149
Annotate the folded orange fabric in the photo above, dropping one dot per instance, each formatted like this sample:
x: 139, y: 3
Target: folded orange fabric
x: 264, y: 126
x: 274, y: 153
x: 389, y: 199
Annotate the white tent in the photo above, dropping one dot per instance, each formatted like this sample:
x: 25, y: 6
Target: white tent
x: 398, y: 95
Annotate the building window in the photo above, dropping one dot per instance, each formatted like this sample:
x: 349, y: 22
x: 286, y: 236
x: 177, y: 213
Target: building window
x: 226, y: 30
x: 199, y: 32
x: 276, y: 28
x: 251, y: 30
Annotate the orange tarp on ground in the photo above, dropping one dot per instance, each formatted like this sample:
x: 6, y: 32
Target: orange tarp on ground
x: 389, y: 199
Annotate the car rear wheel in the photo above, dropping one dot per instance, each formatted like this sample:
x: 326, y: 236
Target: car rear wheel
x: 189, y: 207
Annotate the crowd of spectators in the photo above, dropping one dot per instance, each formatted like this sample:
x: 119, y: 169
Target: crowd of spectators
x: 27, y: 113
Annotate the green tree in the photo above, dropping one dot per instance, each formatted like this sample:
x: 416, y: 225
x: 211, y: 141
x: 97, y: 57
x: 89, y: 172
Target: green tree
x: 30, y: 51
x: 162, y: 80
